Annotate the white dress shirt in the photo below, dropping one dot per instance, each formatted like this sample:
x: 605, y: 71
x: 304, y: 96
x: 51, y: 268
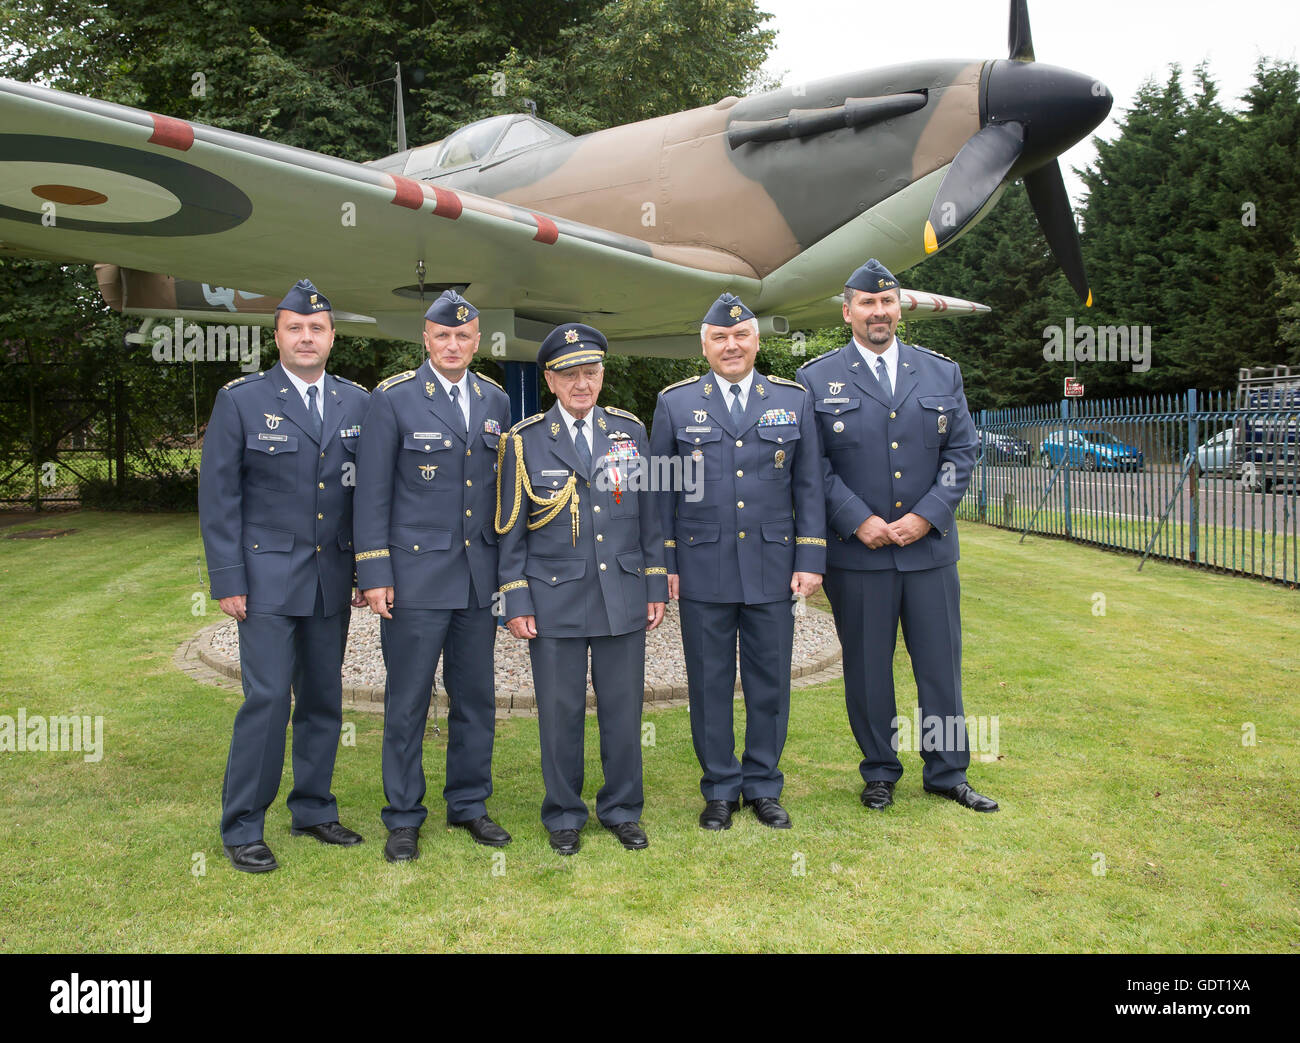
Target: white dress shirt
x: 890, y: 355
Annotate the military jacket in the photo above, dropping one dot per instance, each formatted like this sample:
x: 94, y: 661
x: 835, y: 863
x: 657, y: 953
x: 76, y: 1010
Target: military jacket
x: 426, y: 488
x: 912, y: 453
x: 275, y: 504
x: 754, y: 511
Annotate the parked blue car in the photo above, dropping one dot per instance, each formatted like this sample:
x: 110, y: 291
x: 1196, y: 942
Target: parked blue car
x: 1089, y: 451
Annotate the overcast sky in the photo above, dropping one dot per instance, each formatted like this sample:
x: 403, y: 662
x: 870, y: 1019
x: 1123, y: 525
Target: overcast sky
x: 1120, y: 42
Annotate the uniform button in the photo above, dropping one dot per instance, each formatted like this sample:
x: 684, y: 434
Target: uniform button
x: 467, y: 543
x: 318, y: 548
x: 270, y: 449
x: 898, y: 474
x: 741, y: 535
x: 837, y: 411
x: 446, y: 442
x: 322, y: 456
x: 697, y: 441
x: 415, y: 547
x: 468, y: 482
x: 600, y: 537
x: 893, y: 445
x: 554, y: 579
x: 319, y: 517
x: 739, y: 442
x: 602, y: 566
x: 256, y: 545
x: 320, y: 485
x: 780, y: 439
x: 740, y: 504
x: 898, y: 503
x: 786, y: 538
x: 469, y: 514
x: 892, y: 415
x: 596, y: 508
x: 427, y: 447
x: 469, y: 452
x: 740, y: 474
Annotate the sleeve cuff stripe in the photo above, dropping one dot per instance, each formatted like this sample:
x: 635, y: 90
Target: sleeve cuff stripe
x: 367, y: 555
x: 810, y: 541
x: 514, y: 585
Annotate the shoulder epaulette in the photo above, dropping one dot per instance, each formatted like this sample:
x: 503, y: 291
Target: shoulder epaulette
x: 682, y: 383
x: 246, y: 378
x: 624, y: 414
x: 823, y: 355
x: 484, y: 376
x: 526, y: 421
x: 396, y: 378
x: 360, y: 387
x: 937, y: 354
x: 788, y: 383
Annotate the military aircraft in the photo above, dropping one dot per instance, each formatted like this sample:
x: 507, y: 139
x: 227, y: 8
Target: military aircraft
x: 634, y: 229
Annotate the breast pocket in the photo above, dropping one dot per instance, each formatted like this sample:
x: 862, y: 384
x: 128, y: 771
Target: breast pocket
x: 778, y: 445
x: 938, y: 413
x: 423, y: 455
x: 702, y: 449
x: 271, y: 462
x: 839, y: 423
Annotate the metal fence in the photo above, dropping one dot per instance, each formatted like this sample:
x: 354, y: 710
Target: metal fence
x: 1197, y: 478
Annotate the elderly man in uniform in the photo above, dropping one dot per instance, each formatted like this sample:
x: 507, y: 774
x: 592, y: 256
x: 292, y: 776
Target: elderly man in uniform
x: 582, y: 570
x: 739, y: 552
x: 275, y: 509
x: 427, y: 563
x: 899, y: 446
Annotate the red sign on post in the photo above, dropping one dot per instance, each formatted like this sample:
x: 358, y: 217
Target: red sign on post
x: 1073, y: 388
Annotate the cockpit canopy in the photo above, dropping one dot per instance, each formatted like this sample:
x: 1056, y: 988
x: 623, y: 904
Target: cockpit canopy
x: 480, y: 144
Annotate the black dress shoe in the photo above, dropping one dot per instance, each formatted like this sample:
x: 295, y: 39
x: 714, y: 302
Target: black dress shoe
x: 251, y: 858
x: 630, y: 835
x: 484, y: 830
x: 565, y: 841
x: 329, y: 833
x: 717, y: 814
x: 966, y: 797
x: 878, y: 795
x: 768, y: 811
x: 403, y: 844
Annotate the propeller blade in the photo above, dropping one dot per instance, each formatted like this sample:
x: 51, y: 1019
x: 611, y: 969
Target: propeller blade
x: 1020, y: 42
x: 1052, y: 208
x: 974, y: 176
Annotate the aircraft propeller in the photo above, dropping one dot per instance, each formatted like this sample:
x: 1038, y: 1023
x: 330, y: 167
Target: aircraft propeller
x: 1029, y: 114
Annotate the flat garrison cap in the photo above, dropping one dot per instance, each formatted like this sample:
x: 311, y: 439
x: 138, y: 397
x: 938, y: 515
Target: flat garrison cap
x: 872, y: 277
x: 728, y: 310
x: 304, y: 299
x: 451, y: 309
x: 572, y: 345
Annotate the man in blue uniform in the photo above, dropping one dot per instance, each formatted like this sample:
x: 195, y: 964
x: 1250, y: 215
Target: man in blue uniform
x: 898, y: 446
x: 739, y: 545
x: 275, y: 509
x: 427, y: 563
x: 582, y: 569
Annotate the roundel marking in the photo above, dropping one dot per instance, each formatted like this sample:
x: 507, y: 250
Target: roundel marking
x: 143, y: 193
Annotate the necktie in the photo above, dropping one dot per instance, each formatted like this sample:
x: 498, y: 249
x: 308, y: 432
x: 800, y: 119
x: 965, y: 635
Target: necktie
x: 455, y: 401
x: 580, y: 444
x: 882, y: 374
x: 737, y: 414
x: 313, y: 414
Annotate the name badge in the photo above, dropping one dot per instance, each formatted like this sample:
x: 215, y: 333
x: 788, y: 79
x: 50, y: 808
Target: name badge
x: 698, y: 430
x: 551, y: 474
x: 834, y: 401
x: 262, y: 437
x: 426, y: 434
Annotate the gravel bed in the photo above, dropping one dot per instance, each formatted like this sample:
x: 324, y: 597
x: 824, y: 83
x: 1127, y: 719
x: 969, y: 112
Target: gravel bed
x: 363, y: 664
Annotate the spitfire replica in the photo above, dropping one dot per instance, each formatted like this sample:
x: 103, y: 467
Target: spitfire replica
x: 773, y: 197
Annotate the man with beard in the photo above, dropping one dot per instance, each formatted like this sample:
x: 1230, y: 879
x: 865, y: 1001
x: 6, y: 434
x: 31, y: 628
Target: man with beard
x: 899, y: 446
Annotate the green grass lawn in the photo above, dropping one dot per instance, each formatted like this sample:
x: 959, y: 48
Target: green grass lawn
x: 1120, y: 741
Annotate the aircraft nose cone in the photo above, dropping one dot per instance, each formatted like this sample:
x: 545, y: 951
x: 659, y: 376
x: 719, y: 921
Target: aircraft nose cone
x: 1056, y: 106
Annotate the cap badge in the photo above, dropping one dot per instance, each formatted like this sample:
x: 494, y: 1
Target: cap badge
x: 735, y: 311
x: 462, y: 313
x: 570, y: 336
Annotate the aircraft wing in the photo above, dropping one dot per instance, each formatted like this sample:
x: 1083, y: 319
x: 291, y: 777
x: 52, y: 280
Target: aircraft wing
x: 98, y: 182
